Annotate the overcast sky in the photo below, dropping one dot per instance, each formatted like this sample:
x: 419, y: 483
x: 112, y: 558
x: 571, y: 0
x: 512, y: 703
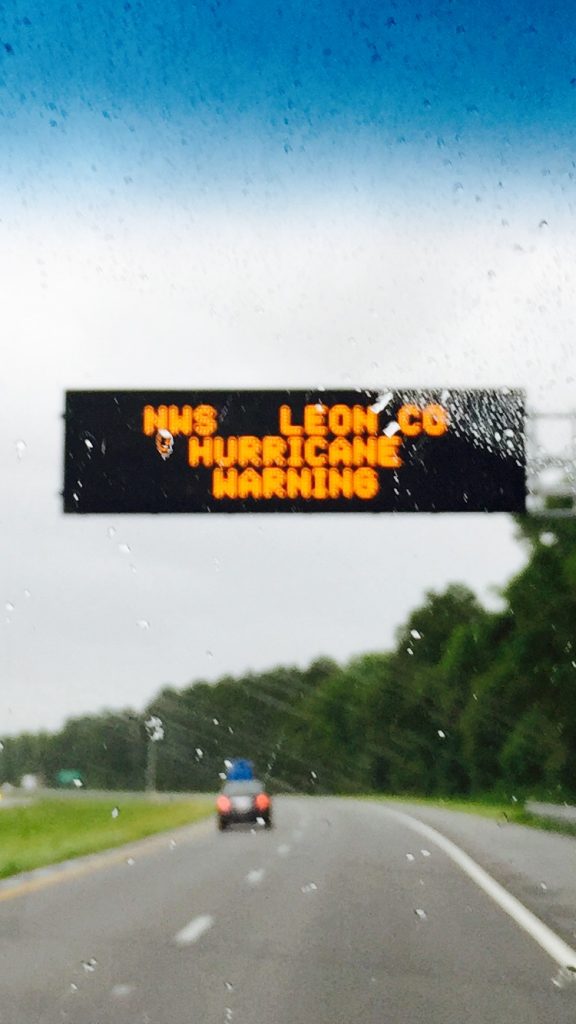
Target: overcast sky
x: 246, y: 195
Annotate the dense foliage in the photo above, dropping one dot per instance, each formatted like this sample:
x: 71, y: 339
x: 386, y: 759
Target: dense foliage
x: 469, y: 701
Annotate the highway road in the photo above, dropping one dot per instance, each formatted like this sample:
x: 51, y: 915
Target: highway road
x: 342, y: 913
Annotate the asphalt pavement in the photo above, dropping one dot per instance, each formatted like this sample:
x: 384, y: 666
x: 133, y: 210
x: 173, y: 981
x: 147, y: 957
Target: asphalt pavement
x: 342, y: 913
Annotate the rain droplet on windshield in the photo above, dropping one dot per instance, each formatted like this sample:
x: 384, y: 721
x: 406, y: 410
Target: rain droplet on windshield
x: 415, y: 634
x: 421, y: 914
x: 382, y: 401
x: 111, y: 531
x: 441, y: 734
x: 548, y: 539
x: 124, y: 549
x: 21, y: 448
x: 564, y: 977
x: 90, y: 965
x: 143, y: 624
x: 9, y: 606
x: 115, y: 812
x: 309, y: 887
x: 391, y: 429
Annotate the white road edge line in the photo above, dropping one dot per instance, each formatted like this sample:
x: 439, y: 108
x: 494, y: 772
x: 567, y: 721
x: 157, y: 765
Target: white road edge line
x: 559, y: 950
x: 192, y: 931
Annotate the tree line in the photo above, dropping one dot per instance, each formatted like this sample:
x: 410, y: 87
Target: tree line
x: 468, y: 701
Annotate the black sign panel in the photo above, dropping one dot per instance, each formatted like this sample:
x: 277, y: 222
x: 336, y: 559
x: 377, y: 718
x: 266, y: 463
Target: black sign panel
x: 395, y: 450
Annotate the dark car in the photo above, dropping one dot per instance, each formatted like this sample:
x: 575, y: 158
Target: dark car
x: 243, y: 800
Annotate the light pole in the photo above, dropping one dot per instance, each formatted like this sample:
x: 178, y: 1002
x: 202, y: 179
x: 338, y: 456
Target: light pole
x: 155, y: 732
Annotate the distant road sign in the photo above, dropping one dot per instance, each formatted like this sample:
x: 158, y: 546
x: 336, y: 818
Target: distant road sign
x: 397, y: 450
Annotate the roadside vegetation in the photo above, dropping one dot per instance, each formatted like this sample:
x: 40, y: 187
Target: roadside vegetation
x: 48, y: 831
x: 468, y: 702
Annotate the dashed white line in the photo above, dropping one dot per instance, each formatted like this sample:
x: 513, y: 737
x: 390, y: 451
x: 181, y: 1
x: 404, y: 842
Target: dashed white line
x: 559, y: 950
x: 192, y: 931
x: 255, y: 877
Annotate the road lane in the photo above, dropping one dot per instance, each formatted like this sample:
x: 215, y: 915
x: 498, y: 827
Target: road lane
x: 341, y: 925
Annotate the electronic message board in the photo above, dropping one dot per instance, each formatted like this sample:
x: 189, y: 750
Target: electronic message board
x: 395, y: 450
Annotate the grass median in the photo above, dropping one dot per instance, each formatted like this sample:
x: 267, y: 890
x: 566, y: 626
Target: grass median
x: 48, y: 831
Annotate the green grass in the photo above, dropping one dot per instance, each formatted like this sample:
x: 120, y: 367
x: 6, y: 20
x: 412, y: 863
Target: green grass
x: 52, y: 830
x: 488, y: 807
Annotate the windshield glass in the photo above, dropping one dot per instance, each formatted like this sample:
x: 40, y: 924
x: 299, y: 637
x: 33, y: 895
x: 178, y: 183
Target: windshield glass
x: 288, y: 470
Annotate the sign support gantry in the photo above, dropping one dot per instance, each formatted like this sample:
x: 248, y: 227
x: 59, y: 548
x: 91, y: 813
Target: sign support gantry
x: 551, y: 464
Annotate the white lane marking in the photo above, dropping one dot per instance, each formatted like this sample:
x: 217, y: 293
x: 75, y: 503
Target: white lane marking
x: 559, y: 950
x: 192, y: 931
x: 255, y: 877
x: 121, y: 991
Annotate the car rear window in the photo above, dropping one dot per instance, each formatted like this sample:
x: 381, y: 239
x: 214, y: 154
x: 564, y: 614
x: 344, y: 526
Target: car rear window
x: 243, y: 788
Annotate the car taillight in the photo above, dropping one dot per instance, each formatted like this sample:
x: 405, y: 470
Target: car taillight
x: 223, y: 804
x: 262, y: 802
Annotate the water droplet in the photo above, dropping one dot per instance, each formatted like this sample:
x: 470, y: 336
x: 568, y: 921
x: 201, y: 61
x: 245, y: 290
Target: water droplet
x: 209, y: 654
x: 514, y: 799
x: 215, y: 721
x: 421, y: 914
x: 88, y: 443
x: 130, y: 861
x: 425, y: 853
x: 228, y: 986
x: 124, y: 549
x: 543, y: 886
x: 27, y: 594
x: 260, y: 821
x: 172, y: 844
x: 111, y: 531
x: 90, y: 965
x: 309, y: 887
x: 410, y: 857
x: 143, y: 624
x: 548, y: 539
x: 415, y: 634
x: 229, y: 1014
x: 115, y: 812
x: 21, y: 448
x: 441, y: 734
x: 73, y: 987
x: 9, y: 606
x: 391, y: 429
x: 564, y: 977
x: 313, y: 774
x: 199, y: 752
x: 409, y: 650
x: 382, y: 401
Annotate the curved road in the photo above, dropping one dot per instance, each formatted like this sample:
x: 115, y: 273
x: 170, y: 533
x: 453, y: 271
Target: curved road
x: 342, y: 914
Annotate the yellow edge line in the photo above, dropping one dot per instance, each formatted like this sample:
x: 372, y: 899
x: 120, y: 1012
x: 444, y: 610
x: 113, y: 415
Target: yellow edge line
x: 97, y: 861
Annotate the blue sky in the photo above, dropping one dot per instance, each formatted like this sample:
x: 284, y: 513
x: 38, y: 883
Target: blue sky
x: 237, y: 96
